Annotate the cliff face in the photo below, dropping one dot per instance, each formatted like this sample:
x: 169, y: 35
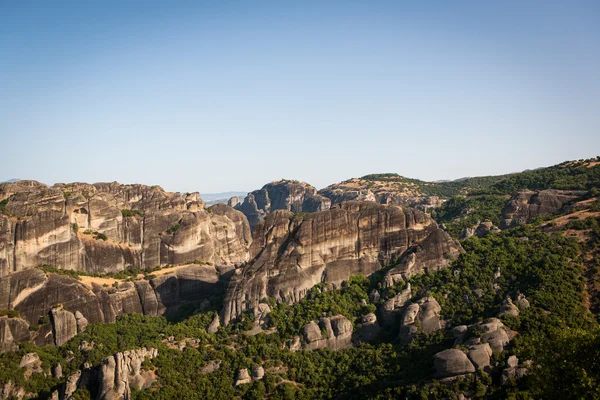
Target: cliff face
x: 527, y: 205
x: 108, y: 227
x: 292, y: 254
x: 292, y: 196
x: 71, y: 303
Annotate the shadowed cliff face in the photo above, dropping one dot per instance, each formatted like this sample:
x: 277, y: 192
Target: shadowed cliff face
x: 291, y: 255
x: 34, y: 293
x: 108, y: 227
x: 292, y: 196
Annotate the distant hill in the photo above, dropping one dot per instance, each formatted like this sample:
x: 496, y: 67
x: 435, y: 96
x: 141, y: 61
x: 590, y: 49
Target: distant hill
x: 215, y: 198
x: 13, y: 180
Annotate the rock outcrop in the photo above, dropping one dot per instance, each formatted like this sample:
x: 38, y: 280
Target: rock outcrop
x: 480, y: 230
x: 31, y: 363
x: 494, y: 333
x: 243, y: 377
x: 12, y: 332
x: 122, y: 371
x: 64, y: 325
x: 508, y: 308
x: 423, y: 316
x: 292, y: 254
x: 452, y: 362
x: 109, y: 227
x: 287, y: 195
x: 527, y: 205
x: 334, y: 333
x: 72, y: 304
x: 480, y: 355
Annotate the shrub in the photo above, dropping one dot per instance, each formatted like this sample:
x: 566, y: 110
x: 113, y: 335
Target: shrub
x: 100, y: 236
x: 130, y: 213
x: 174, y: 228
x: 9, y: 313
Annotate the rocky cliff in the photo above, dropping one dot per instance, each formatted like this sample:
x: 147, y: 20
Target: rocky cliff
x: 291, y: 254
x: 527, y: 205
x: 109, y: 227
x: 71, y: 304
x: 287, y: 195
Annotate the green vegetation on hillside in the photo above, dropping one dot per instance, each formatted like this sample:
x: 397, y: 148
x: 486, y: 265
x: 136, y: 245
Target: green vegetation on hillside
x: 459, y: 213
x: 556, y: 332
x: 574, y: 175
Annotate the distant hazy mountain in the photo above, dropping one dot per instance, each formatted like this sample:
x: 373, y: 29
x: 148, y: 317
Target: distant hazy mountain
x: 13, y: 180
x: 215, y: 198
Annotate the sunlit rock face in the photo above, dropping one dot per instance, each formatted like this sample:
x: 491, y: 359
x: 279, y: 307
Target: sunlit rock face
x: 292, y: 254
x: 109, y: 227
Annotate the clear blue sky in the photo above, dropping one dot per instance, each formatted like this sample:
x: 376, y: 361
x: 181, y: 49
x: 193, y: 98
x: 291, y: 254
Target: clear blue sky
x: 228, y: 95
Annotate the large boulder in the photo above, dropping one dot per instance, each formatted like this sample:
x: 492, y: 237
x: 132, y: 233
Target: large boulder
x: 32, y: 364
x: 64, y: 325
x: 395, y: 305
x: 122, y: 371
x: 333, y: 332
x: 422, y: 316
x: 12, y: 332
x: 495, y: 334
x: 480, y: 355
x: 452, y: 362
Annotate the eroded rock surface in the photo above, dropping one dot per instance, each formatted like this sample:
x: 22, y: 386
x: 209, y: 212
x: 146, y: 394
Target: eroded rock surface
x: 71, y: 304
x: 109, y: 227
x: 287, y: 195
x: 121, y: 372
x: 424, y: 316
x: 333, y: 332
x: 293, y: 254
x: 527, y: 205
x: 452, y: 362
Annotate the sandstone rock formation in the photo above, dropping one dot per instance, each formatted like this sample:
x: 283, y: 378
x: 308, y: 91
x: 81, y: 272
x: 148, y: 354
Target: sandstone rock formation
x: 526, y: 205
x: 293, y: 254
x: 13, y: 331
x: 424, y: 316
x: 480, y: 230
x: 480, y: 355
x: 334, y: 333
x: 32, y: 364
x: 36, y: 294
x: 494, y: 333
x: 513, y: 372
x: 393, y: 307
x: 287, y: 195
x: 243, y: 377
x: 109, y: 227
x: 452, y: 362
x: 213, y: 327
x: 122, y: 371
x: 508, y: 308
x: 64, y: 325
